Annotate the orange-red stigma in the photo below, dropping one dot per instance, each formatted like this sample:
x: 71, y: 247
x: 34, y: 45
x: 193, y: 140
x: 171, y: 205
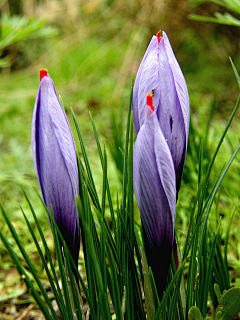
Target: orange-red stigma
x: 149, y: 101
x: 43, y: 73
x: 159, y: 36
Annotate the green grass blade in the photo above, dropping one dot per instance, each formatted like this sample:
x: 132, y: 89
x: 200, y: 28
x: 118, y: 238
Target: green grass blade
x: 115, y: 285
x: 90, y: 300
x: 60, y: 300
x: 25, y: 278
x: 219, y: 181
x: 87, y: 165
x: 125, y: 175
x: 91, y: 190
x: 129, y: 263
x: 62, y: 270
x: 91, y: 253
x: 208, y: 277
x: 73, y: 286
x: 226, y: 242
x: 130, y: 186
x: 31, y: 268
x: 201, y: 191
x: 83, y: 210
x: 168, y: 290
x: 220, y: 267
x: 104, y: 182
x: 57, y: 294
x: 235, y: 72
x: 107, y: 184
x: 176, y: 308
x: 221, y: 140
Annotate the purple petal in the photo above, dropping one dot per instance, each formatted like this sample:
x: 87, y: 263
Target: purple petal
x: 155, y: 189
x: 147, y: 79
x: 159, y: 71
x: 180, y: 83
x: 174, y: 106
x: 54, y: 157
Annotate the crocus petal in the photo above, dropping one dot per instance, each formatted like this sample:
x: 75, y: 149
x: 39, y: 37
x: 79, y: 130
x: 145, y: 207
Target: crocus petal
x: 155, y: 190
x: 160, y: 73
x: 55, y: 163
x: 146, y: 80
x: 173, y: 109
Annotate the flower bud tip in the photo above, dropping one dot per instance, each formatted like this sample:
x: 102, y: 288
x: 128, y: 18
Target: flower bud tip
x: 149, y: 101
x: 43, y: 73
x: 159, y: 36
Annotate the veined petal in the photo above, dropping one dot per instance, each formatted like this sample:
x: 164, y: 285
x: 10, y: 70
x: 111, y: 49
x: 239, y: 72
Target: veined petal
x: 180, y: 83
x: 147, y: 80
x: 160, y: 73
x: 169, y: 109
x: 178, y: 112
x: 63, y: 135
x: 55, y: 163
x: 154, y: 184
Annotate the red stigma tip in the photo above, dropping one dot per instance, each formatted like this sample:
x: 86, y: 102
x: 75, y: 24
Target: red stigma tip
x: 43, y: 73
x: 149, y: 101
x: 159, y: 36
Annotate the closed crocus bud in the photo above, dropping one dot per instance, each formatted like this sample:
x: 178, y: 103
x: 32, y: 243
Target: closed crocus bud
x: 54, y: 157
x: 155, y: 190
x: 160, y: 73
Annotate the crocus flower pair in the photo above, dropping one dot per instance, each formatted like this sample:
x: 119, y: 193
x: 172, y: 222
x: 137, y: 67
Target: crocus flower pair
x: 55, y: 162
x: 161, y: 120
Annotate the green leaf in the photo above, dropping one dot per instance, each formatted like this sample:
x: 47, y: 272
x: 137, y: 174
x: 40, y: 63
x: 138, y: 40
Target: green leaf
x: 52, y: 277
x: 217, y: 291
x: 168, y: 290
x: 226, y: 18
x: 62, y: 270
x: 147, y: 288
x: 25, y: 277
x: 29, y: 263
x: 235, y: 72
x: 229, y: 304
x: 194, y: 314
x: 103, y: 165
x: 16, y: 28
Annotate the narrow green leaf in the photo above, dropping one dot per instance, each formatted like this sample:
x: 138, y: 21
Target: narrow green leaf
x: 73, y: 290
x: 226, y: 242
x: 125, y: 175
x: 87, y: 165
x: 130, y: 263
x: 62, y: 271
x: 115, y: 286
x: 176, y: 308
x: 102, y: 294
x: 25, y: 255
x: 148, y: 292
x: 208, y: 275
x: 58, y: 295
x: 104, y: 182
x: 168, y: 290
x: 235, y: 72
x: 25, y: 278
x: 107, y: 184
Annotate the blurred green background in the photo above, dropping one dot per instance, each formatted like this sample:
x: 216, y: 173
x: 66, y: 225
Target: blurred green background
x: 91, y: 49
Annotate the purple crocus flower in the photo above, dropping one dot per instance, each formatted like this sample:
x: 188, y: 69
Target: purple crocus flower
x: 155, y: 190
x: 160, y: 74
x: 54, y: 157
